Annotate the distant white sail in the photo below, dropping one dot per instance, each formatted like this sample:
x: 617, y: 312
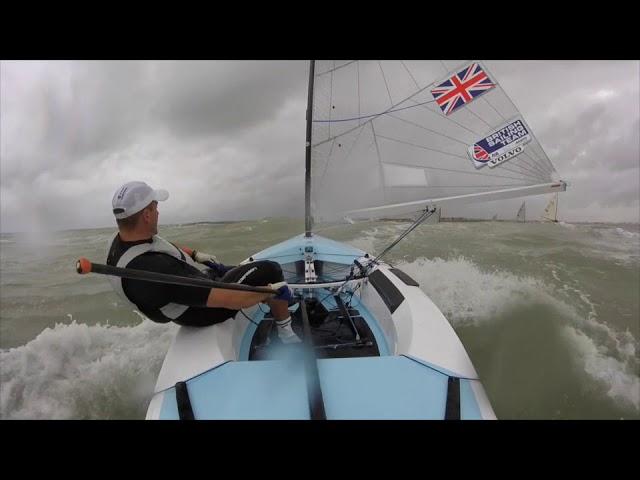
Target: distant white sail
x: 551, y: 212
x: 521, y: 213
x: 390, y: 137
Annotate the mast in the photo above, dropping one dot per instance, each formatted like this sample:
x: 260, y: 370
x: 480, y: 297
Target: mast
x: 307, y: 173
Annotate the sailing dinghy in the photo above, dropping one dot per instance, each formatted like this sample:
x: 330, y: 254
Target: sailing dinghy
x: 384, y: 139
x: 521, y: 215
x: 550, y: 213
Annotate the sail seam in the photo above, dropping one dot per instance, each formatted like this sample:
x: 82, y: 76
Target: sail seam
x: 543, y: 176
x: 535, y: 165
x: 545, y: 157
x: 410, y: 74
x: 539, y: 174
x: 385, y: 83
x: 358, y: 82
x: 451, y: 170
x: 370, y: 120
x: 384, y: 183
x: 537, y: 177
x: 386, y: 112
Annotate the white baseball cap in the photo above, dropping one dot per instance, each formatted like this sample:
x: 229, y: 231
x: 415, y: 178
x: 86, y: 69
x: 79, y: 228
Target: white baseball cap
x: 132, y: 197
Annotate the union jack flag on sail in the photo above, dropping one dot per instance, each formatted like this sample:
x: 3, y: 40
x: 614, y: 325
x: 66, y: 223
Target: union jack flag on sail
x: 462, y: 88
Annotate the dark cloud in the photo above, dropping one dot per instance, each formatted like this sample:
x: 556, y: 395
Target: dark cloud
x: 107, y: 107
x: 586, y: 115
x: 204, y: 98
x: 227, y: 138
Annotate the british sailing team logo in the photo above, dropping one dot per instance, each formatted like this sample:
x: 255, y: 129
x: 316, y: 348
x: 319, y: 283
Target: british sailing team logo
x: 500, y: 145
x: 480, y: 153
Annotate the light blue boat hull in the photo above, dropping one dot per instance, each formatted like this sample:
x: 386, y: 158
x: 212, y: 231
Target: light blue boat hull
x: 415, y: 376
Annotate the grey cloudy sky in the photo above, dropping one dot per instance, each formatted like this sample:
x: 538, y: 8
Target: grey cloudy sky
x: 226, y: 138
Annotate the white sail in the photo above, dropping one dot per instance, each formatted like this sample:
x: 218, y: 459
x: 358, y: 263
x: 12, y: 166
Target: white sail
x: 384, y: 142
x: 521, y: 213
x: 551, y: 212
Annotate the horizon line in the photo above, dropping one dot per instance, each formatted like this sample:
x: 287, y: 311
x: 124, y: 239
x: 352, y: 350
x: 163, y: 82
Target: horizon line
x: 206, y: 222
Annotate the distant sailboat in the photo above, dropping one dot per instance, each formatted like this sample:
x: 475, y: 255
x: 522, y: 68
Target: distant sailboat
x: 521, y: 213
x: 551, y: 212
x: 495, y: 217
x: 435, y: 218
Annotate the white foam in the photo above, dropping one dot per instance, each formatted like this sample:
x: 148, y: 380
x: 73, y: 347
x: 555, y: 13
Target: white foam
x: 616, y: 244
x: 378, y: 236
x: 80, y: 371
x: 617, y: 375
x: 626, y: 233
x: 570, y: 226
x: 468, y: 295
x: 465, y: 294
x: 366, y: 243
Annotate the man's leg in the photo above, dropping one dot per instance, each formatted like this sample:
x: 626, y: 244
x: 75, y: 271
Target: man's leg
x: 279, y: 308
x: 280, y: 311
x: 261, y: 273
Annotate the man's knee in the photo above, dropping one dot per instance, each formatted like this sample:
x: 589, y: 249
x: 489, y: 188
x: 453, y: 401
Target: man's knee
x: 272, y: 270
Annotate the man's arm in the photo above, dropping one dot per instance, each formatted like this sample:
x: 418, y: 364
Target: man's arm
x: 152, y: 293
x: 156, y: 295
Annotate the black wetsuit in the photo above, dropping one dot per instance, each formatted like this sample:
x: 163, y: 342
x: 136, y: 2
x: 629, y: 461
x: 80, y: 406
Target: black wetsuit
x: 149, y: 297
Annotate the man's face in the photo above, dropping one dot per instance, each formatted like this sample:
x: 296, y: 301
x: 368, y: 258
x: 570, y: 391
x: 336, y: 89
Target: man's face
x: 153, y: 217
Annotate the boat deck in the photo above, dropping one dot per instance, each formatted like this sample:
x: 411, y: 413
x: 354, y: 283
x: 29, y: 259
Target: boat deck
x: 389, y: 387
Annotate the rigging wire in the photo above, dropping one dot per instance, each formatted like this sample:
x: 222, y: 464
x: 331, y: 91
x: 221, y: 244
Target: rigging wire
x: 336, y: 120
x: 427, y: 213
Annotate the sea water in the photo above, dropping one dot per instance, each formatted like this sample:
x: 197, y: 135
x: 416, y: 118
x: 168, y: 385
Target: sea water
x: 549, y: 313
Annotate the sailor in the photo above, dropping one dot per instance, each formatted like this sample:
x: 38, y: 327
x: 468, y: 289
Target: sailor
x: 137, y: 245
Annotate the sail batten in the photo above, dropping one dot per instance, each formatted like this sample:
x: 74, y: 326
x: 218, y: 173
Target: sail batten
x: 388, y: 134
